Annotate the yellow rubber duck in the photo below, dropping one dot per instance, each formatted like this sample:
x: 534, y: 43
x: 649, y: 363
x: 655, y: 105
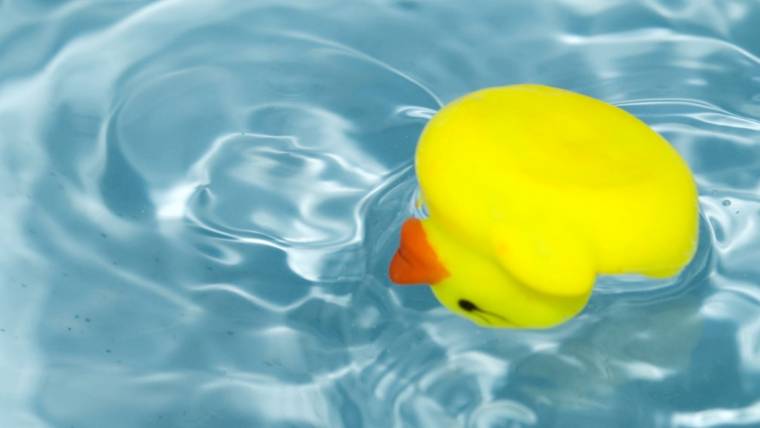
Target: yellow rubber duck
x: 532, y: 192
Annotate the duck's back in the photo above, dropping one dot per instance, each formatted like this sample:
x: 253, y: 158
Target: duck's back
x: 540, y: 155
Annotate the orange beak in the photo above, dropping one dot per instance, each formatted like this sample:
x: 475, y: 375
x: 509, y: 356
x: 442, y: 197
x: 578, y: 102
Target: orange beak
x: 415, y: 262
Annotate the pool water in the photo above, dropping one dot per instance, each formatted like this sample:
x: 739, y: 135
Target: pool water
x: 200, y: 199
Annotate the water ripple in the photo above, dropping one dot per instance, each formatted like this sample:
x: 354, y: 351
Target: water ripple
x: 201, y: 199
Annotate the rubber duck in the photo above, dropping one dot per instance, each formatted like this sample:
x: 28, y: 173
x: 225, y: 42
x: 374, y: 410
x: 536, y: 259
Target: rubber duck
x: 534, y: 191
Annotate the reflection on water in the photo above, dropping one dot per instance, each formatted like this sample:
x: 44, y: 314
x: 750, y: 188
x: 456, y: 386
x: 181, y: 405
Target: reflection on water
x: 201, y: 199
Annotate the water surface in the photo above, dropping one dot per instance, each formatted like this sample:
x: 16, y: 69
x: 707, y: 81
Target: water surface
x: 200, y: 199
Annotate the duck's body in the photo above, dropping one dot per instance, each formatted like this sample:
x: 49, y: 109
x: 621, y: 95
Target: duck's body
x: 533, y: 191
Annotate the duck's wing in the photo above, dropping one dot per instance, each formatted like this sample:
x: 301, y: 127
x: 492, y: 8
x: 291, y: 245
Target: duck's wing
x: 546, y: 256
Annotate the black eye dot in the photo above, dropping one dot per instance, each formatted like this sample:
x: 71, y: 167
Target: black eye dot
x: 467, y: 305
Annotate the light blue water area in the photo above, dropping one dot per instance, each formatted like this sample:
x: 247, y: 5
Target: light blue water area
x: 200, y: 199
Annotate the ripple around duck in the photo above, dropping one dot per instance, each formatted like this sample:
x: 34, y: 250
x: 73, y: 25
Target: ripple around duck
x: 201, y: 199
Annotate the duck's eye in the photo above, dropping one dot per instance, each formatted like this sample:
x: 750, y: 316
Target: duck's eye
x: 467, y: 305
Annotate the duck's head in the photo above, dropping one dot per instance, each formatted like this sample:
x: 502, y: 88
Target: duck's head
x: 474, y: 285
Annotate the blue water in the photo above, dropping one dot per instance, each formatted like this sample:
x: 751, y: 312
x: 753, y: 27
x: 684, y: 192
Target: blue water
x: 200, y: 199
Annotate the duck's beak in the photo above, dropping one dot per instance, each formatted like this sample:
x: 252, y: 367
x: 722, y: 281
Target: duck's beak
x: 415, y: 261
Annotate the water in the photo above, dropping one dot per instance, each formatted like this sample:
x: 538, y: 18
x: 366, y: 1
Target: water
x: 200, y: 199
